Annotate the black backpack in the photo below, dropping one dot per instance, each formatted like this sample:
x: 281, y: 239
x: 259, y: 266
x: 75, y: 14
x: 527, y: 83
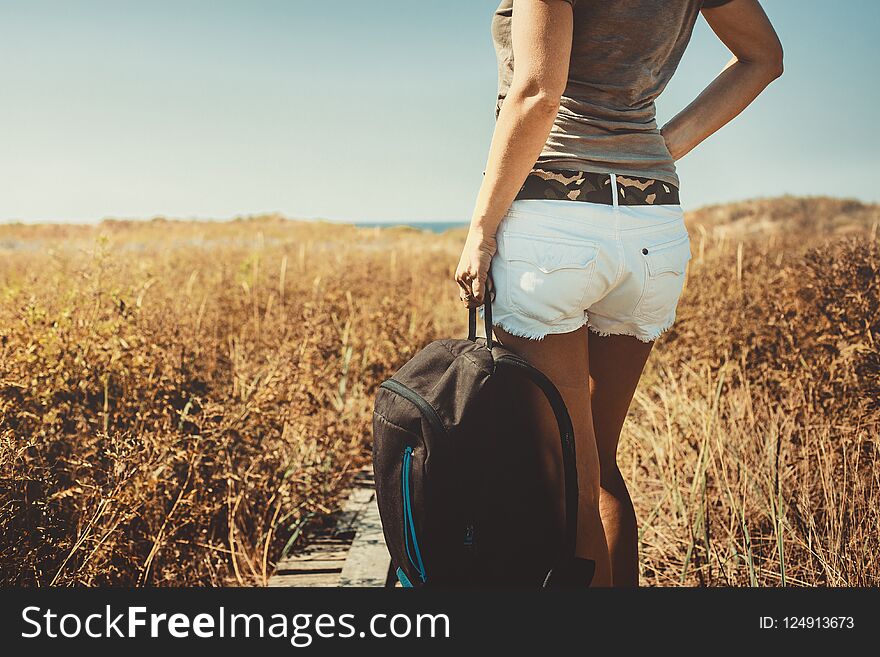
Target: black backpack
x: 463, y: 496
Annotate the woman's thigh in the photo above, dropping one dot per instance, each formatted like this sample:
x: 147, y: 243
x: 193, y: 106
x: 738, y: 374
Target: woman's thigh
x: 616, y: 365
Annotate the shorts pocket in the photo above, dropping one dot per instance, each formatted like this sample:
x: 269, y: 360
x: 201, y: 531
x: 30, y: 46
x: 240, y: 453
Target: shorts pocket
x: 547, y: 277
x: 665, y: 266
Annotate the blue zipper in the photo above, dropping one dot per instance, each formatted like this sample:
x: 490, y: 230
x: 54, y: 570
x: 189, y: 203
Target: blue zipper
x: 404, y: 580
x: 408, y: 522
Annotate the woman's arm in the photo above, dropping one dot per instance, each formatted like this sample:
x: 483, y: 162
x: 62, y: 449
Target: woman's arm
x: 541, y: 32
x: 757, y: 60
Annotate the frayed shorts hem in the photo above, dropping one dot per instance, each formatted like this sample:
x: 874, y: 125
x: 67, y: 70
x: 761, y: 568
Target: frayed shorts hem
x: 534, y: 330
x: 525, y: 327
x: 640, y: 334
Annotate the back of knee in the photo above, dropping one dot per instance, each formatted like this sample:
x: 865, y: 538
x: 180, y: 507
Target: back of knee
x: 611, y: 478
x: 588, y: 497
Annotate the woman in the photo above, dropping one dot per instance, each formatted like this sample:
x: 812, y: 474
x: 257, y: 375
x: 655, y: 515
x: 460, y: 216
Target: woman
x: 579, y: 215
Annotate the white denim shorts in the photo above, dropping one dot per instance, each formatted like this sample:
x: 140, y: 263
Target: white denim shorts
x: 561, y: 264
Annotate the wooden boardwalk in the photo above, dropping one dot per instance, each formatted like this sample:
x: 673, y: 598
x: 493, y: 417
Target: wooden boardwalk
x: 350, y: 552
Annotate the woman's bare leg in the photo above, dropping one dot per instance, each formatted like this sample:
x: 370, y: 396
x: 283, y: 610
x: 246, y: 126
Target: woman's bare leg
x: 565, y: 359
x: 616, y: 364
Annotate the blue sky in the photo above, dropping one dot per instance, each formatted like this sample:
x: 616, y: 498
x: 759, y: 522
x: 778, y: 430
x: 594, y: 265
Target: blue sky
x: 365, y: 111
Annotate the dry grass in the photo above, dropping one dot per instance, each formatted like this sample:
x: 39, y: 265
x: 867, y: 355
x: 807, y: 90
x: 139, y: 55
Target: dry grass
x: 753, y: 440
x: 179, y: 399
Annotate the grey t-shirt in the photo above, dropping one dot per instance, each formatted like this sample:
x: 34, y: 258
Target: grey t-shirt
x: 623, y: 54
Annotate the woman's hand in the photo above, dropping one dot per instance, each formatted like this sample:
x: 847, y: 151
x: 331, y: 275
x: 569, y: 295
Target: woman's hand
x: 473, y: 267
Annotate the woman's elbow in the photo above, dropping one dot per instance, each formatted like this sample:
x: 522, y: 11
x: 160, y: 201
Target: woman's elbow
x: 538, y: 97
x: 767, y: 65
x: 774, y: 65
x: 546, y: 103
x: 765, y: 59
x: 771, y: 60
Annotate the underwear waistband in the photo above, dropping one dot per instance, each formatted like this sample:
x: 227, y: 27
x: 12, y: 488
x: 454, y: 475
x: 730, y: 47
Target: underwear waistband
x: 594, y: 187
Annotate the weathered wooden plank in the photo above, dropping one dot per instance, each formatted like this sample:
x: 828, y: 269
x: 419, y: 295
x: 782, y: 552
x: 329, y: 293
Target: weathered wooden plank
x: 350, y: 551
x: 311, y: 566
x: 328, y: 541
x: 368, y: 560
x: 301, y: 560
x: 305, y: 580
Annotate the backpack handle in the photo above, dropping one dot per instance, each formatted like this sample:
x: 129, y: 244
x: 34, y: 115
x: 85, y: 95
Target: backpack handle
x: 487, y: 319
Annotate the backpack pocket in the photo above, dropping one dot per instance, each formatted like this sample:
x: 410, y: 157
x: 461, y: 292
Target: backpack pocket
x: 394, y: 466
x: 410, y: 536
x: 402, y: 505
x: 547, y: 277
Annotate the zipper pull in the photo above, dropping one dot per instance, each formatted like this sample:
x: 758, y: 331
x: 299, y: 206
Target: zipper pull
x: 469, y: 535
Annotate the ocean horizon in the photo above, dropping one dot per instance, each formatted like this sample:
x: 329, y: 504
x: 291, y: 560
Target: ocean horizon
x: 430, y: 226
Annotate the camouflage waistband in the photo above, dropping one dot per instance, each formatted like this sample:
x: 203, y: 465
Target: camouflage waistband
x: 594, y: 187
